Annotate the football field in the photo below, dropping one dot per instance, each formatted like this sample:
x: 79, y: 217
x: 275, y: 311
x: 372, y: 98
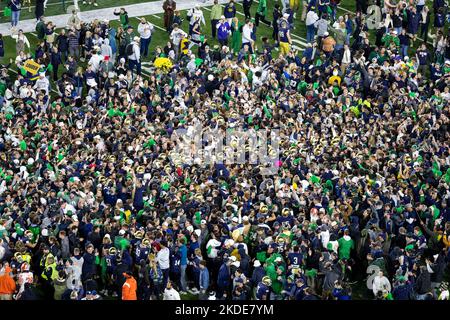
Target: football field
x: 57, y: 13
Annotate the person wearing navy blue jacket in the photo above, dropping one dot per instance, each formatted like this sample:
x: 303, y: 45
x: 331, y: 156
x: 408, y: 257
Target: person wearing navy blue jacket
x: 175, y: 265
x: 229, y: 11
x: 224, y: 279
x: 263, y: 289
x: 258, y: 273
x: 55, y: 60
x: 402, y: 289
x: 2, y: 47
x: 89, y: 265
x: 413, y: 21
x: 246, y: 5
x: 16, y: 7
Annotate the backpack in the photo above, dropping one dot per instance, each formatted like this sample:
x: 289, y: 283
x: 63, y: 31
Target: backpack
x: 129, y: 49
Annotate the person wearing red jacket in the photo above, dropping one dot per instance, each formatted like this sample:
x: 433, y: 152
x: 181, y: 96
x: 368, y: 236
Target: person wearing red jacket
x: 129, y: 287
x: 7, y: 283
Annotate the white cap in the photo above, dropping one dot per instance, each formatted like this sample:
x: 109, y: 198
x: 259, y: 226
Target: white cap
x: 210, y: 77
x: 121, y: 232
x: 229, y: 242
x: 203, y: 222
x: 198, y: 232
x: 74, y: 217
x: 222, y: 17
x: 233, y: 258
x: 256, y: 263
x: 236, y: 264
x: 235, y: 219
x: 91, y: 82
x: 244, y: 218
x: 44, y: 232
x: 107, y: 236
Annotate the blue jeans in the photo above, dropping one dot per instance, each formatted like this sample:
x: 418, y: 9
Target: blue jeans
x: 399, y: 30
x: 15, y: 15
x: 338, y: 47
x: 404, y: 50
x: 347, y: 38
x: 310, y: 33
x: 183, y: 278
x: 79, y: 91
x: 145, y: 43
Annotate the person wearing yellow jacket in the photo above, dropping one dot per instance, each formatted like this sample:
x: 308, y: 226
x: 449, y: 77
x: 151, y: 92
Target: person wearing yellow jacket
x: 49, y: 275
x: 50, y: 272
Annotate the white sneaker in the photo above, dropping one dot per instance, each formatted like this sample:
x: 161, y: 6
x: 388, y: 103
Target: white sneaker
x: 84, y: 2
x: 95, y: 4
x: 183, y: 292
x: 115, y: 294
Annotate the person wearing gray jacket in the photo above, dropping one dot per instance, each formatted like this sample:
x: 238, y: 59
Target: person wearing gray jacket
x: 322, y: 25
x: 65, y: 246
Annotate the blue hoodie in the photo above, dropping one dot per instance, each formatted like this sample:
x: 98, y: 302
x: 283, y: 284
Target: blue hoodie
x: 223, y: 278
x: 204, y: 279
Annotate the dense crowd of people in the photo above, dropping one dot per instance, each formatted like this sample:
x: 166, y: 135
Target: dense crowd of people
x: 94, y: 203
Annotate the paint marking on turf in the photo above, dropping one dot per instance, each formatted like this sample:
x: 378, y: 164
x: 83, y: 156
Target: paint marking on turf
x: 373, y: 19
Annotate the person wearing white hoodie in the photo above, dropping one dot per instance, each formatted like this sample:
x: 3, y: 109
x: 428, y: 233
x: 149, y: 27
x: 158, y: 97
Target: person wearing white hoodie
x: 106, y: 50
x: 381, y: 283
x: 74, y: 269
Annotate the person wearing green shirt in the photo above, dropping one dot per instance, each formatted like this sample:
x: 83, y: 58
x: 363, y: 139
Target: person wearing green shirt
x: 346, y: 244
x: 261, y: 13
x: 216, y: 12
x: 392, y: 37
x: 40, y: 29
x: 276, y: 273
x: 121, y: 242
x: 123, y: 15
x: 236, y: 36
